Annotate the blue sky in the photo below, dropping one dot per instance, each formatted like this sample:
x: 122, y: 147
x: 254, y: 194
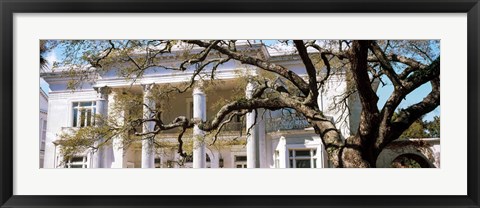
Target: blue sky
x: 416, y: 96
x: 383, y: 92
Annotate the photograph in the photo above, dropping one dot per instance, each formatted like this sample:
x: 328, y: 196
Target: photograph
x: 266, y: 103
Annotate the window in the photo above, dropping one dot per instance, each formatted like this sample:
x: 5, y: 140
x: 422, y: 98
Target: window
x: 77, y: 162
x: 302, y: 158
x: 237, y: 118
x: 83, y: 114
x: 240, y: 161
x: 158, y: 162
x: 191, y: 109
x: 43, y: 136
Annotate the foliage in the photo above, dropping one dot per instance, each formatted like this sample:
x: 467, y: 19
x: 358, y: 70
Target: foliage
x: 77, y: 141
x: 416, y: 130
x: 423, y: 129
x: 433, y: 127
x: 405, y: 162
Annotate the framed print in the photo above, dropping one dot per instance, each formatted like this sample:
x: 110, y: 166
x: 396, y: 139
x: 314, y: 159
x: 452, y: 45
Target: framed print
x: 325, y: 100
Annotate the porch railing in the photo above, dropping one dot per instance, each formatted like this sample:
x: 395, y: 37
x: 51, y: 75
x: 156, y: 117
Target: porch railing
x: 295, y: 123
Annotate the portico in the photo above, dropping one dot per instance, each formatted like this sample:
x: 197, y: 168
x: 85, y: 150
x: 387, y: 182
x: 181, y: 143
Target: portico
x: 114, y: 155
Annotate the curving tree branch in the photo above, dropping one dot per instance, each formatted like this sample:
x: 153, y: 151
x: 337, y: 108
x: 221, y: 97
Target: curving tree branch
x: 268, y: 66
x: 311, y: 71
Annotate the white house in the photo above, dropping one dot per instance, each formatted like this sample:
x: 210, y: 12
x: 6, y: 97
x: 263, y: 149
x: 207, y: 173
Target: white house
x: 274, y: 142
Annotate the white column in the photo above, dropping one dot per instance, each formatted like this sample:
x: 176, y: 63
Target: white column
x: 262, y: 150
x: 102, y: 110
x: 148, y: 153
x: 252, y: 132
x: 117, y: 158
x: 55, y: 162
x: 283, y: 153
x: 199, y: 112
x: 215, y: 160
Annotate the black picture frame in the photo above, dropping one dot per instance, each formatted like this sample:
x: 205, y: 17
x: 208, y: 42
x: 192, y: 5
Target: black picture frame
x: 9, y: 7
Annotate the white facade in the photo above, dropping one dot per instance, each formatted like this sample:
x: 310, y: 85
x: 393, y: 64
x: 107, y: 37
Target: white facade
x: 43, y: 125
x: 274, y: 142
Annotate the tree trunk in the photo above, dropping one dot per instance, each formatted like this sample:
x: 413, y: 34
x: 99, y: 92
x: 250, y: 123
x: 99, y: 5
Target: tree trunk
x: 356, y: 151
x: 347, y: 153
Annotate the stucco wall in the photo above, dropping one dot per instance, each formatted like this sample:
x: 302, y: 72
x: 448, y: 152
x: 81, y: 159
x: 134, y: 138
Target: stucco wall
x: 60, y: 115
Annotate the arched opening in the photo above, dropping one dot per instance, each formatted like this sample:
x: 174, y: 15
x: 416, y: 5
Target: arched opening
x: 410, y: 161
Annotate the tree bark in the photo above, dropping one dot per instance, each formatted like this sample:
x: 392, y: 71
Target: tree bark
x: 341, y: 153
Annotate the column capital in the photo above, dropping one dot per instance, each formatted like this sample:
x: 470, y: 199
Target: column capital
x: 198, y: 91
x: 102, y: 92
x: 250, y: 89
x: 147, y: 87
x: 198, y: 88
